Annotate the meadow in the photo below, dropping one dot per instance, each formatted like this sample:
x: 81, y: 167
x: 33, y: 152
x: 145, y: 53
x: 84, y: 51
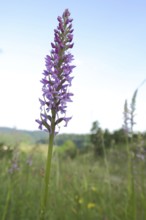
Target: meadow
x: 83, y: 187
x: 98, y: 176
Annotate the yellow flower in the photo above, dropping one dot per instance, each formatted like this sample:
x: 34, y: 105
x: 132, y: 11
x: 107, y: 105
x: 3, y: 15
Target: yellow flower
x: 91, y: 205
x: 93, y: 188
x: 80, y: 201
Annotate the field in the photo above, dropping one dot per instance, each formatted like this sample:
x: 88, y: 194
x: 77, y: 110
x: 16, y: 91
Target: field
x: 85, y: 187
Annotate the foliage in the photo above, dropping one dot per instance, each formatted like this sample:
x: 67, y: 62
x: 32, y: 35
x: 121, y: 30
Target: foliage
x: 119, y: 136
x: 5, y: 151
x: 80, y: 140
x: 68, y: 150
x: 8, y: 135
x: 79, y: 188
x: 13, y: 137
x: 97, y: 139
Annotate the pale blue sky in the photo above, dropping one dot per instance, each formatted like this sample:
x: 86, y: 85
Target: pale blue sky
x: 109, y: 51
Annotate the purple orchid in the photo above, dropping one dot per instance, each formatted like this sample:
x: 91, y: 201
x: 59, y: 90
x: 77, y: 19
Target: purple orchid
x: 56, y: 78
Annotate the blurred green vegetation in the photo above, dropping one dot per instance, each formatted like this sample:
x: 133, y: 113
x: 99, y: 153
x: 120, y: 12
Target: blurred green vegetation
x: 90, y: 179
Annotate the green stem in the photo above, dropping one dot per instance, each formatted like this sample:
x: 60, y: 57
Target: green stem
x: 131, y: 206
x: 7, y: 203
x: 108, y: 178
x: 48, y: 170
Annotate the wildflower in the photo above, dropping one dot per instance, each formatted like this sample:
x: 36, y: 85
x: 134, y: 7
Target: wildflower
x: 91, y: 205
x: 129, y: 115
x: 55, y: 92
x: 14, y: 163
x: 140, y: 156
x: 80, y: 201
x: 14, y: 167
x: 133, y: 108
x: 93, y: 188
x: 126, y: 117
x: 57, y: 77
x: 29, y: 161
